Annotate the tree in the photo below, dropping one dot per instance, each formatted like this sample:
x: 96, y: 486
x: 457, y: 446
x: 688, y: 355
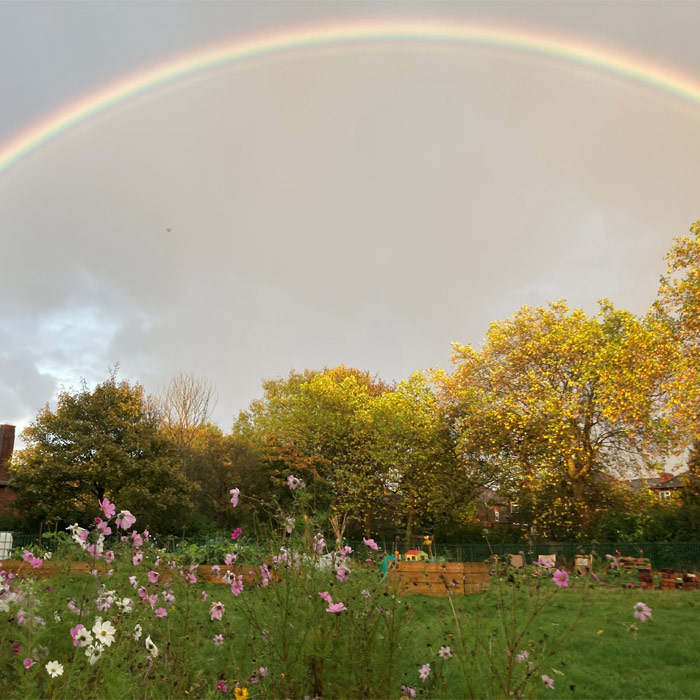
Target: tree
x: 318, y: 425
x: 96, y: 444
x: 555, y: 400
x: 679, y: 302
x: 186, y: 405
x: 429, y: 486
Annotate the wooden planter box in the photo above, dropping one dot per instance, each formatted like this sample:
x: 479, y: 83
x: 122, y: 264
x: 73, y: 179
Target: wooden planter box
x: 49, y: 568
x: 438, y: 578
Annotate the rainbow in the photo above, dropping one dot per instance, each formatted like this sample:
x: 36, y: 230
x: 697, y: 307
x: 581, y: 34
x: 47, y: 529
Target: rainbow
x: 347, y: 34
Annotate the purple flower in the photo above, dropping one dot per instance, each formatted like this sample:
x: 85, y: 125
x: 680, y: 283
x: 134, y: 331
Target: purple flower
x: 109, y: 509
x: 294, y: 483
x: 642, y: 612
x: 236, y: 533
x: 219, y: 640
x: 424, y: 671
x: 217, y: 611
x: 28, y: 663
x: 326, y: 596
x: 161, y: 612
x: 370, y: 543
x: 125, y: 520
x: 522, y: 656
x: 407, y: 690
x: 561, y: 578
x: 336, y: 608
x: 549, y: 682
x: 235, y: 493
x: 445, y: 652
x: 342, y: 573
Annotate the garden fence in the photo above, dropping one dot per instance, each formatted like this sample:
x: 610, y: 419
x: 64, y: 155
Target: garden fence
x: 671, y: 555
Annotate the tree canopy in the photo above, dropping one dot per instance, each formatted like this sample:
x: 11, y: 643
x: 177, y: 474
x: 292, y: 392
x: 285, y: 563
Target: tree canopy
x: 555, y: 402
x: 104, y: 442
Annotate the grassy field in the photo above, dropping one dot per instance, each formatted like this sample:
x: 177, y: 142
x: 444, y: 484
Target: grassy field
x: 283, y: 640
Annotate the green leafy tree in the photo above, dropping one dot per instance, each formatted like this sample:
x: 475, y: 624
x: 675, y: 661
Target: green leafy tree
x: 679, y: 302
x: 96, y: 444
x: 556, y: 400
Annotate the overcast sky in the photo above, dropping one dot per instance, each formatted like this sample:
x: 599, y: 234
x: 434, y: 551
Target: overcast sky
x: 363, y: 205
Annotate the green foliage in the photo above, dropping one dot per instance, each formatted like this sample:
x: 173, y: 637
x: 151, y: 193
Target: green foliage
x: 556, y: 401
x: 96, y: 444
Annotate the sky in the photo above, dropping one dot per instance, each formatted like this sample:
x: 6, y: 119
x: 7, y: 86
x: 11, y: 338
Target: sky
x: 364, y: 203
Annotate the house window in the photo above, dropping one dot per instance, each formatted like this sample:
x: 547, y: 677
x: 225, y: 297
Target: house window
x: 514, y: 507
x: 664, y: 495
x: 496, y: 514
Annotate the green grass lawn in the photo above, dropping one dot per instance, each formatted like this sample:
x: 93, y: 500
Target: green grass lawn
x: 370, y: 650
x: 601, y: 658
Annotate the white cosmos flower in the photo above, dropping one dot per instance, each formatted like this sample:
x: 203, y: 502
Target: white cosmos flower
x: 53, y: 668
x: 83, y: 637
x: 152, y: 648
x: 104, y: 632
x: 138, y: 631
x: 93, y: 653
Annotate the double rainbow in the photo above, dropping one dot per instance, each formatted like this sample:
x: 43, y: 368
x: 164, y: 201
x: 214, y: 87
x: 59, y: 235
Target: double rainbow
x: 347, y: 34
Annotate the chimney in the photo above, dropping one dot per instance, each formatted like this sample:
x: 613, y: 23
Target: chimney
x: 7, y: 444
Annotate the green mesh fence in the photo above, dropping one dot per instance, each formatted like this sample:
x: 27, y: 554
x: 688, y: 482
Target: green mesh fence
x: 671, y: 555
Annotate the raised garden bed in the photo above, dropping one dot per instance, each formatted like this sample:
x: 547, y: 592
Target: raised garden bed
x: 438, y: 578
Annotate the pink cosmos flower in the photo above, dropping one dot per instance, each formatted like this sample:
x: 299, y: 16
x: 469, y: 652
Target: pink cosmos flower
x: 561, y: 578
x: 345, y: 551
x: 544, y: 561
x: 342, y: 573
x: 326, y: 596
x: 237, y: 585
x: 133, y: 581
x: 169, y: 597
x: 28, y: 663
x: 262, y: 672
x: 318, y: 544
x: 424, y: 671
x: 642, y: 612
x: 216, y: 569
x: 74, y: 633
x: 125, y: 520
x: 222, y: 686
x: 265, y: 575
x: 549, y: 682
x: 161, y: 612
x: 294, y: 483
x: 204, y: 596
x: 370, y: 543
x: 152, y: 600
x: 235, y: 493
x: 219, y: 640
x: 109, y: 509
x: 153, y: 576
x: 594, y: 577
x: 143, y: 593
x: 109, y: 556
x: 191, y: 578
x: 16, y: 647
x: 103, y: 527
x: 230, y: 558
x: 336, y: 608
x: 445, y: 652
x: 137, y: 558
x: 145, y: 535
x: 522, y: 656
x: 137, y: 540
x: 217, y: 611
x: 236, y: 533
